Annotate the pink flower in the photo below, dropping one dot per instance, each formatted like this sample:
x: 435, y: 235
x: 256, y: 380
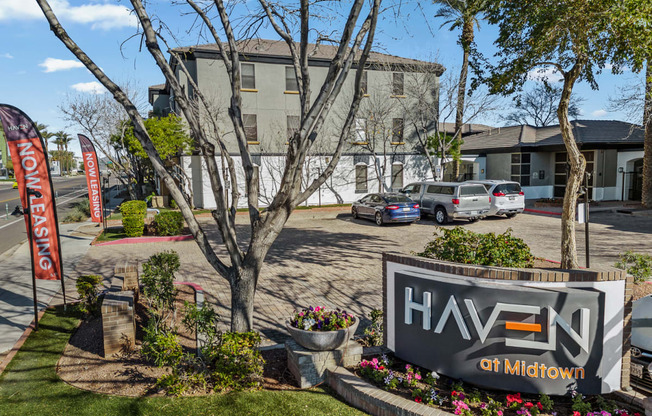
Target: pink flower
x: 417, y: 399
x: 499, y: 413
x: 577, y: 414
x: 317, y: 308
x: 417, y: 376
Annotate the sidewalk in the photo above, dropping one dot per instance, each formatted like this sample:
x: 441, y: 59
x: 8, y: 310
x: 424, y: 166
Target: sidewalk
x: 16, y: 301
x: 625, y: 207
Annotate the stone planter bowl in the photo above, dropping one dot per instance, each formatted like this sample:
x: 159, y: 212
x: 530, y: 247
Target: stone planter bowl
x: 322, y: 340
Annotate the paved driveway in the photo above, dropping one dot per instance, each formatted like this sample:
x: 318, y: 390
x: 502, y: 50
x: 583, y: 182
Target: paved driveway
x: 324, y: 257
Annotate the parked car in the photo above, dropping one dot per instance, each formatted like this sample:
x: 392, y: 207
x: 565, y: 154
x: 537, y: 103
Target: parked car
x: 449, y: 201
x: 641, y: 349
x: 507, y: 197
x: 387, y: 207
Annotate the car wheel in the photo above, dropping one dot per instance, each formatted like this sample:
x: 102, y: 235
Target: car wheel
x: 379, y: 218
x: 473, y: 219
x: 511, y: 215
x: 354, y: 213
x: 440, y: 215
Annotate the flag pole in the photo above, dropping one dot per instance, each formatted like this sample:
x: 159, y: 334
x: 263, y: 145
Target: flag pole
x: 30, y: 238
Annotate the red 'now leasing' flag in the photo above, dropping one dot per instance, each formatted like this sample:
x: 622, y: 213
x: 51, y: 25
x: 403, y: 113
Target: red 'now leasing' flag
x: 92, y: 177
x: 32, y: 171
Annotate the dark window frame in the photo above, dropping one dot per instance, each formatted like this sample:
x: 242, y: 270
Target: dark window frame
x: 246, y: 78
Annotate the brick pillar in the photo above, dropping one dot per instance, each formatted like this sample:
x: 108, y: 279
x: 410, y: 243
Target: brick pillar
x: 118, y: 322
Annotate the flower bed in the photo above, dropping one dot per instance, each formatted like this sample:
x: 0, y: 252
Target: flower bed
x: 431, y: 389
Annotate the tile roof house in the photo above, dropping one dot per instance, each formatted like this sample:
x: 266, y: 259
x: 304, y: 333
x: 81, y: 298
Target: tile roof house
x: 536, y: 157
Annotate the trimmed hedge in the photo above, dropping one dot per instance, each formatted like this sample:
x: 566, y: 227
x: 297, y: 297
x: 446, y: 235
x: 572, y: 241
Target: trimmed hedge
x: 462, y: 246
x: 133, y: 217
x: 169, y: 223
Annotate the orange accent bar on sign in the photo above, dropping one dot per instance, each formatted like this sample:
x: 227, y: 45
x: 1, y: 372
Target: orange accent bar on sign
x: 519, y: 326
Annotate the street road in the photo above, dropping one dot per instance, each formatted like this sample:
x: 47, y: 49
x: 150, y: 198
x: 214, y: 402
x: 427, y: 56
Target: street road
x: 12, y: 228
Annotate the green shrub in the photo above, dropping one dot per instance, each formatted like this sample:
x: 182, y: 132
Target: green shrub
x: 203, y: 321
x: 81, y: 210
x: 83, y: 205
x: 637, y: 265
x: 158, y: 280
x: 237, y: 362
x: 173, y: 204
x: 373, y: 334
x: 462, y: 246
x: 133, y: 217
x: 169, y: 223
x: 161, y: 345
x: 88, y: 288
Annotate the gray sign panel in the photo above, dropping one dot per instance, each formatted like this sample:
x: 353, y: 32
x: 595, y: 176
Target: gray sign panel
x: 501, y: 336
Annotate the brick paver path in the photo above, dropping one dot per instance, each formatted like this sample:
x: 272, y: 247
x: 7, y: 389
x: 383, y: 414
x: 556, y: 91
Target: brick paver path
x: 324, y: 257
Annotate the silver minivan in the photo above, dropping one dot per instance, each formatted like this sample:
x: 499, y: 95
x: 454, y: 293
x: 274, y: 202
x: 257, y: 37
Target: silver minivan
x: 448, y: 201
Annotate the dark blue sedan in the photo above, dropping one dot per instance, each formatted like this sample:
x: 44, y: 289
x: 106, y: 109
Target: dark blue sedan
x: 387, y: 207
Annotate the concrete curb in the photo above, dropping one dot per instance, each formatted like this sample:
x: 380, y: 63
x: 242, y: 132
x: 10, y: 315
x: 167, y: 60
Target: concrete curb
x: 369, y: 398
x: 537, y: 211
x: 140, y: 240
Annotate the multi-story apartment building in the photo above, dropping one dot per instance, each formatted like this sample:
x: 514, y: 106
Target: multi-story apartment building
x: 400, y: 95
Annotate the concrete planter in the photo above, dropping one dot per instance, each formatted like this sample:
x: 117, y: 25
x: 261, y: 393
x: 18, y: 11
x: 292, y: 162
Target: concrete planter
x: 322, y: 340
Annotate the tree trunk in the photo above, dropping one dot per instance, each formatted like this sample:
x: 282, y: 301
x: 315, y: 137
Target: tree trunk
x: 243, y: 290
x: 577, y: 165
x: 466, y: 39
x: 646, y: 198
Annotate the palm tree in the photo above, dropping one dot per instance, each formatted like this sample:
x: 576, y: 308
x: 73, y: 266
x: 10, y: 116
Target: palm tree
x: 461, y: 14
x: 61, y: 139
x: 43, y: 129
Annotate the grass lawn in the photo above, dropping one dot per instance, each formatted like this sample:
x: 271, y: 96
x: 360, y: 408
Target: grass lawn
x: 110, y: 234
x: 30, y: 386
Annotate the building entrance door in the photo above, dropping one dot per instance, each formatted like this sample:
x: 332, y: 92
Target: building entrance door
x: 636, y: 184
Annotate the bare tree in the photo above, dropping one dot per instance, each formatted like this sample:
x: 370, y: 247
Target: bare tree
x: 538, y: 107
x: 433, y: 106
x: 354, y: 44
x: 100, y: 117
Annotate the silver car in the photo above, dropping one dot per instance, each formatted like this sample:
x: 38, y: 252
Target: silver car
x: 448, y: 201
x: 507, y: 197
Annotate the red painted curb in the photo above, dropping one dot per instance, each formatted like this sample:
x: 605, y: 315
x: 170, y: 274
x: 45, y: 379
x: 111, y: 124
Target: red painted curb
x: 195, y: 286
x: 536, y: 211
x: 138, y: 240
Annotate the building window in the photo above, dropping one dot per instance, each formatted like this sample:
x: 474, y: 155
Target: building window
x: 397, y: 130
x: 292, y: 126
x: 363, y: 83
x: 397, y: 176
x: 291, y: 83
x: 360, y: 133
x: 562, y: 169
x: 521, y: 168
x: 397, y: 83
x: 248, y: 76
x: 361, y: 179
x: 250, y: 127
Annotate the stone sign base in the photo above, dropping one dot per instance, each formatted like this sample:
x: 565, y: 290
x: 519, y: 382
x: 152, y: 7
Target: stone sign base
x: 309, y: 367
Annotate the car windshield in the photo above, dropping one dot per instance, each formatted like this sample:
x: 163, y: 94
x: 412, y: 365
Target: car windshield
x: 397, y: 198
x: 473, y: 190
x: 508, y: 188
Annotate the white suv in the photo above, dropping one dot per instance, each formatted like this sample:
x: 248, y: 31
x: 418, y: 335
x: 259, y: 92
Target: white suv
x: 506, y: 197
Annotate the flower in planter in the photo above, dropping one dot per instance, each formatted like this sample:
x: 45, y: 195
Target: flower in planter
x: 320, y: 319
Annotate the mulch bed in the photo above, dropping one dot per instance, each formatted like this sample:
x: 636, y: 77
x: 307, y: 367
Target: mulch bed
x: 128, y: 374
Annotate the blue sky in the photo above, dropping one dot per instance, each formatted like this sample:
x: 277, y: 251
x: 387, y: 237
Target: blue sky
x: 38, y: 72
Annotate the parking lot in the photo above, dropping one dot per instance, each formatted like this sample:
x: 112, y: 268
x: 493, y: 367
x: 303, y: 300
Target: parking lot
x: 325, y: 257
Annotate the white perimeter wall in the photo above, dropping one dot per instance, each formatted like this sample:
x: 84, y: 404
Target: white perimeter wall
x: 415, y: 168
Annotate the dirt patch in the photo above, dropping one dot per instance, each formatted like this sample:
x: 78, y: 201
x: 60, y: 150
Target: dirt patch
x: 128, y: 373
x: 642, y: 290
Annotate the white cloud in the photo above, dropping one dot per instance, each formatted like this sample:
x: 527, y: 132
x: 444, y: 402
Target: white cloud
x: 92, y: 87
x: 99, y: 16
x: 599, y: 113
x: 7, y: 55
x: 54, y: 64
x: 549, y: 74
